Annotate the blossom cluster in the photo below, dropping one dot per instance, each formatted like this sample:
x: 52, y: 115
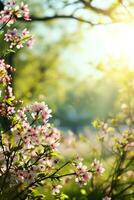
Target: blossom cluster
x: 18, y: 40
x: 82, y: 174
x: 33, y: 119
x: 98, y: 167
x: 37, y: 141
x: 5, y: 78
x: 7, y: 105
x: 36, y: 130
x: 12, y: 11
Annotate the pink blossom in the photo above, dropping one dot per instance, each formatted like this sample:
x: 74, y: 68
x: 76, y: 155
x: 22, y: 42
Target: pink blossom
x: 10, y: 92
x: 30, y: 42
x: 25, y: 11
x: 26, y: 175
x: 4, y: 77
x: 82, y: 174
x: 12, y: 11
x: 56, y: 189
x: 10, y: 110
x: 18, y: 40
x: 52, y: 137
x: 34, y: 132
x: 98, y: 166
x: 25, y: 32
x: 42, y: 109
x: 11, y: 35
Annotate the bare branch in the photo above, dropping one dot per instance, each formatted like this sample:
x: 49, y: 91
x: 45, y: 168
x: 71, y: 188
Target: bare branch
x: 48, y: 18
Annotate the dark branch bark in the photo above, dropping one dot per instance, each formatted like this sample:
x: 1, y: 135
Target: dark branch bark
x: 48, y: 18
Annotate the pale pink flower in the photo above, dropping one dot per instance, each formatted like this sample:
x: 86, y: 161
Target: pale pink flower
x: 4, y: 77
x: 25, y: 11
x: 25, y: 32
x: 82, y: 174
x: 12, y: 11
x: 52, y: 137
x: 17, y: 39
x: 42, y: 109
x: 98, y: 166
x: 30, y: 42
x: 10, y: 110
x: 26, y: 175
x: 11, y: 35
x: 56, y: 189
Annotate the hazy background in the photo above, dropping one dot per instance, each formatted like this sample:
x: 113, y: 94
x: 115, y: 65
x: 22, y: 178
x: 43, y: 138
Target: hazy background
x: 78, y: 69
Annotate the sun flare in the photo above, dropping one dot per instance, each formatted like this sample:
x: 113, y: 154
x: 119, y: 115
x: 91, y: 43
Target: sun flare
x: 115, y: 42
x: 121, y: 43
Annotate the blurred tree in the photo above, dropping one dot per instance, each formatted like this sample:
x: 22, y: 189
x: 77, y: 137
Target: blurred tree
x: 58, y: 25
x: 92, y: 12
x: 86, y: 100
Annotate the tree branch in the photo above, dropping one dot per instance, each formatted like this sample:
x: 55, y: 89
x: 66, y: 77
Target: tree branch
x: 48, y: 18
x: 124, y: 190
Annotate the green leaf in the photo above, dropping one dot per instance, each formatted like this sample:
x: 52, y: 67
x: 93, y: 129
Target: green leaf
x: 83, y: 192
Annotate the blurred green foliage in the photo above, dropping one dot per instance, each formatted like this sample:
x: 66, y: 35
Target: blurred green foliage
x: 45, y: 72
